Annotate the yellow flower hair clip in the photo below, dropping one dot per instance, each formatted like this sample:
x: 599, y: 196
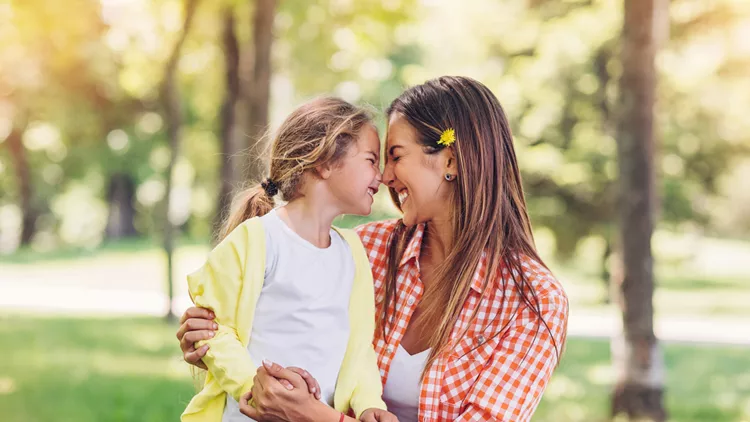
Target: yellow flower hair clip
x: 447, y: 138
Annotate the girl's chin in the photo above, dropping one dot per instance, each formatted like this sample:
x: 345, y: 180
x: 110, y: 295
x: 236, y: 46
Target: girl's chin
x: 365, y: 210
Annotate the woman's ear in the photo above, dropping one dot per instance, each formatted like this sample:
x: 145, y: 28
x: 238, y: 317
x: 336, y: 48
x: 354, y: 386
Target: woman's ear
x: 450, y: 161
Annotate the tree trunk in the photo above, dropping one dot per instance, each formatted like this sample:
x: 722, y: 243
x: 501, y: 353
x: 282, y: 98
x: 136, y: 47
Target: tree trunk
x: 606, y: 272
x: 120, y: 196
x: 637, y: 357
x: 259, y: 91
x: 230, y: 137
x: 23, y: 178
x: 170, y: 97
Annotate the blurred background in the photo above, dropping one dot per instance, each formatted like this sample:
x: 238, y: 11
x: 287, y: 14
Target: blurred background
x: 126, y: 124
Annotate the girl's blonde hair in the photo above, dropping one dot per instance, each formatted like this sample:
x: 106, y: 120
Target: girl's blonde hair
x: 317, y: 133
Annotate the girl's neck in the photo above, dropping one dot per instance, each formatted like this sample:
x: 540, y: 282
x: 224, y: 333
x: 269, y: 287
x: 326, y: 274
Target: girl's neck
x: 310, y: 218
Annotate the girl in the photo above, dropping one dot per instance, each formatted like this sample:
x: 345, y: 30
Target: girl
x: 284, y: 285
x: 471, y: 323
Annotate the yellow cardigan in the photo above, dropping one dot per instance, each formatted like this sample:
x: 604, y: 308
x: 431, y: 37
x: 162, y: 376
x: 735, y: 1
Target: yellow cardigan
x: 230, y: 283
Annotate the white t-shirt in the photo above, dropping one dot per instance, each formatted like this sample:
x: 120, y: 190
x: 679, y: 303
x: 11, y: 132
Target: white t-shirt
x: 302, y: 315
x: 401, y: 391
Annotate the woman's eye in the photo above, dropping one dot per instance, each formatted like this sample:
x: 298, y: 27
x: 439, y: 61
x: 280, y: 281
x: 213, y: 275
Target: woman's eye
x: 396, y: 159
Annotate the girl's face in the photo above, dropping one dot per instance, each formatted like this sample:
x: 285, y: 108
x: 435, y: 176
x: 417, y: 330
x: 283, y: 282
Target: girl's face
x: 356, y: 178
x: 417, y: 177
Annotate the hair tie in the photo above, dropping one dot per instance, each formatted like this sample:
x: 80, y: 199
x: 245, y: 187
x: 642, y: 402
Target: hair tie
x: 270, y: 187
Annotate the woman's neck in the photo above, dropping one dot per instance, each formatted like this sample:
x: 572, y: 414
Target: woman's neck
x: 310, y: 218
x: 437, y: 242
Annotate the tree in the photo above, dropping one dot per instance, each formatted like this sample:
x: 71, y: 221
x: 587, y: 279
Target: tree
x: 247, y: 97
x: 259, y: 88
x: 23, y: 181
x: 172, y: 104
x: 229, y: 136
x: 640, y: 368
x: 120, y: 196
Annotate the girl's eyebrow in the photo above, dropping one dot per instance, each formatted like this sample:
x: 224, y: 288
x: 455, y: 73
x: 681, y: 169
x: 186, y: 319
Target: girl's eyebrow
x: 374, y: 154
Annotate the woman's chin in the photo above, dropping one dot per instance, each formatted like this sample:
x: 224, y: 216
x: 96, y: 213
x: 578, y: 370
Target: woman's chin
x: 408, y: 219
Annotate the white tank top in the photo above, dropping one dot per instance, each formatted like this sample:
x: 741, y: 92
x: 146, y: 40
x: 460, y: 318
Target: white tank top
x: 401, y: 391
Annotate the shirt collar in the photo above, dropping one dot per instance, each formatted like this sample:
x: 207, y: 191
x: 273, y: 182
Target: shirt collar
x: 414, y: 248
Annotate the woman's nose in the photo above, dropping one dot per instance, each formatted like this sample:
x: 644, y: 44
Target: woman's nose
x: 388, y: 176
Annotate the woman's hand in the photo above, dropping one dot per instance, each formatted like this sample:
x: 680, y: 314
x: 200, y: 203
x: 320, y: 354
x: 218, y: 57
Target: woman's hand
x: 196, y: 324
x: 377, y: 415
x: 273, y: 401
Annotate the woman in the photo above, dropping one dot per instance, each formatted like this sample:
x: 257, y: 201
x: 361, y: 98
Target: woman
x: 470, y: 322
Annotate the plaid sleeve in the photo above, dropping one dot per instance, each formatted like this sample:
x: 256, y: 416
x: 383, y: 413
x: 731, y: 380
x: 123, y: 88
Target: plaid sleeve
x: 511, y: 385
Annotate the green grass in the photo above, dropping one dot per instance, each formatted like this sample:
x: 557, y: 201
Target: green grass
x: 704, y: 384
x: 69, y: 369
x: 91, y: 370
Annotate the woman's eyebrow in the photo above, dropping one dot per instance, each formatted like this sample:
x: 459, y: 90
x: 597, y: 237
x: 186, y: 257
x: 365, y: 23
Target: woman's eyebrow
x: 391, y: 149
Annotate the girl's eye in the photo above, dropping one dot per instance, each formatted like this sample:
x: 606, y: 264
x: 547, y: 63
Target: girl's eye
x: 371, y: 160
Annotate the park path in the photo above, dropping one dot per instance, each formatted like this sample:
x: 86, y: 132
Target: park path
x: 592, y: 323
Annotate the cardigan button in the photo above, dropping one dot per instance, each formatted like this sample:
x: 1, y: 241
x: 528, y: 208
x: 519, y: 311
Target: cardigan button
x: 389, y: 349
x: 480, y: 340
x: 410, y: 301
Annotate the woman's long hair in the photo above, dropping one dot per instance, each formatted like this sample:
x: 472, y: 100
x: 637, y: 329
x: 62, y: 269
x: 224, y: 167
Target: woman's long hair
x: 489, y: 210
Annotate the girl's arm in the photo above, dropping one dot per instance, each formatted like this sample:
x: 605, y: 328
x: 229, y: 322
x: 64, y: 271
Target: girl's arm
x: 369, y: 390
x: 511, y: 386
x: 218, y: 286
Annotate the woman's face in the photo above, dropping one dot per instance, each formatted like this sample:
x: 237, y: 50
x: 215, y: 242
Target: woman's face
x: 417, y: 177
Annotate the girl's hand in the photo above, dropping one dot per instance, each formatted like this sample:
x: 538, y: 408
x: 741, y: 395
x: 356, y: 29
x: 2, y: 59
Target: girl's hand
x: 196, y: 324
x: 312, y: 384
x: 377, y: 415
x: 272, y: 401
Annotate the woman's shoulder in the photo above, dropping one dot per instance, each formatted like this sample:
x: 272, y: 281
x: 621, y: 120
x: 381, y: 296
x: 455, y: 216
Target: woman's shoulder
x: 547, y: 287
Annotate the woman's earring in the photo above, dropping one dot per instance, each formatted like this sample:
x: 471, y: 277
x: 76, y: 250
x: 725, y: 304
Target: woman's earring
x: 448, y: 177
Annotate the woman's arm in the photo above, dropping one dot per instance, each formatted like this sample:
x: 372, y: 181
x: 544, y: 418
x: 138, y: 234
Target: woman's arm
x: 197, y: 324
x: 511, y: 386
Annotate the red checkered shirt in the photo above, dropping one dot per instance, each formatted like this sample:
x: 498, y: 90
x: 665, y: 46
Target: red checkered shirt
x: 500, y: 368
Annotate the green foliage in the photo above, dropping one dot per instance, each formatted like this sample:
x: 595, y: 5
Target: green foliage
x: 87, y: 86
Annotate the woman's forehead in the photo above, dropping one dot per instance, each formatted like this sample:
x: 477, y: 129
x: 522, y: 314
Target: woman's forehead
x: 399, y: 132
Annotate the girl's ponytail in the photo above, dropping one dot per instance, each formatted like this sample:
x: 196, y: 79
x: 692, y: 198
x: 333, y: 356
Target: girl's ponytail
x: 253, y: 202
